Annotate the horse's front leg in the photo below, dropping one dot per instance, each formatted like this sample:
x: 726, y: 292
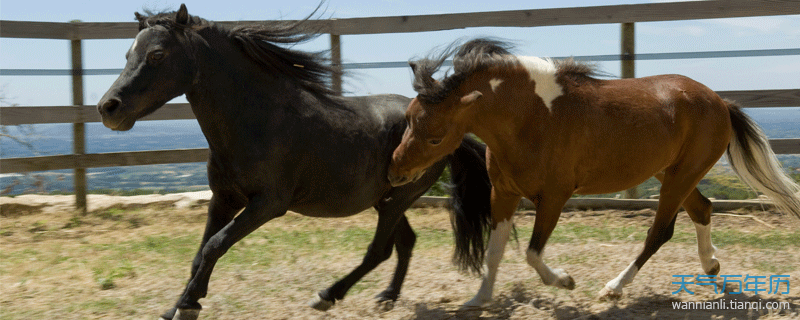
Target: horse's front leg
x: 221, y: 210
x: 503, y: 207
x: 259, y: 210
x: 548, y: 210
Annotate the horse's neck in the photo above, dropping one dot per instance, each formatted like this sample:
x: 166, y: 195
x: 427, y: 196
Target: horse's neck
x: 231, y: 92
x: 500, y: 124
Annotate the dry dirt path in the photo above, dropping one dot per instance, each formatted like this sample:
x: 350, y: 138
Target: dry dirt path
x: 131, y: 262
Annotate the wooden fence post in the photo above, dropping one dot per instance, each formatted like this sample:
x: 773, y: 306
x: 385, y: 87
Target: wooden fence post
x: 628, y: 62
x: 336, y: 62
x: 78, y: 129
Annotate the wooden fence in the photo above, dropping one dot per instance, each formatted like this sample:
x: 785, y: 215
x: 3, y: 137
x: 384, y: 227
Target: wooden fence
x: 78, y: 114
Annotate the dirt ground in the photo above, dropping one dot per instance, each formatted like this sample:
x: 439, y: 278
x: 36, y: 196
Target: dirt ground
x: 131, y: 263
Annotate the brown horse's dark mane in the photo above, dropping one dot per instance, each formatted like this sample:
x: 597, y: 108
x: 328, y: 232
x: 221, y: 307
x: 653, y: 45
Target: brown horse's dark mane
x: 312, y: 70
x: 474, y: 56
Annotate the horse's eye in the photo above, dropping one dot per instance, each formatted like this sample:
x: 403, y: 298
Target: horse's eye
x: 434, y: 142
x: 157, y: 55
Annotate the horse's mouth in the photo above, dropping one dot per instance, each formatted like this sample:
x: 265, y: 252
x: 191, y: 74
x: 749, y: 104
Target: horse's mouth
x: 123, y: 125
x: 397, y: 181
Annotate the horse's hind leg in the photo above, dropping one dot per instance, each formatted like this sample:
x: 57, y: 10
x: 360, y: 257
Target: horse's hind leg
x: 699, y: 209
x: 392, y: 230
x: 677, y: 185
x: 700, y: 212
x: 379, y: 250
x: 404, y: 239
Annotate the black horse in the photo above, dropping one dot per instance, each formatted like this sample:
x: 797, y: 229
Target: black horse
x: 280, y: 140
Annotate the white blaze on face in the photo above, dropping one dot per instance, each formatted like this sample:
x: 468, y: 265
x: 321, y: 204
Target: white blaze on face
x: 543, y: 73
x: 136, y: 42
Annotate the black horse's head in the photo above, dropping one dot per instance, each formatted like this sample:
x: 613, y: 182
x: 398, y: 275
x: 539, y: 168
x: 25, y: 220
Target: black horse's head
x: 160, y: 67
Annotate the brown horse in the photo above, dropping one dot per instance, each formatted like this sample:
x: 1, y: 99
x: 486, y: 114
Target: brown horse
x: 553, y: 130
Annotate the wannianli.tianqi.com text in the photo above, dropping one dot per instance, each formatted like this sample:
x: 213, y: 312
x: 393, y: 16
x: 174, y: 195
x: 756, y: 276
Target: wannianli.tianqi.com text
x: 723, y: 304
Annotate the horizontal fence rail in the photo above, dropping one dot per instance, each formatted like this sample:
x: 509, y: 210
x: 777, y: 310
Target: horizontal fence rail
x: 649, y: 12
x: 613, y: 14
x: 183, y: 111
x: 404, y: 64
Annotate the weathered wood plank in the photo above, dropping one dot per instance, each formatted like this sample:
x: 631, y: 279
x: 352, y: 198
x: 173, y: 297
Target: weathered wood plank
x: 764, y: 98
x: 98, y: 160
x: 785, y: 146
x: 35, y: 30
x: 13, y: 116
x: 10, y: 116
x: 106, y: 30
x: 182, y: 111
x: 647, y: 12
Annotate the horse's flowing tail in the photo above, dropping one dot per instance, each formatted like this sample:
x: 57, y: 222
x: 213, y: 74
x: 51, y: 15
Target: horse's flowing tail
x: 471, y: 215
x: 754, y: 161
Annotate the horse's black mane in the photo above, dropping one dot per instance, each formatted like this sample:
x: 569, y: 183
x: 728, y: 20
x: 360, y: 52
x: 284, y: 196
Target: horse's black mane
x: 313, y: 71
x: 474, y: 56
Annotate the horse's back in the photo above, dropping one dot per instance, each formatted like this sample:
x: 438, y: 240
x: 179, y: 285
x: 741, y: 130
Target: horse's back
x: 642, y: 126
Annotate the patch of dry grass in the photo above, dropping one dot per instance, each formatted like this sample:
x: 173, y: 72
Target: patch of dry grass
x: 132, y: 264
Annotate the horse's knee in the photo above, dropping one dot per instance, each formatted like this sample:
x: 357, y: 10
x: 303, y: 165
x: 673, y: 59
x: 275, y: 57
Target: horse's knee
x: 405, y: 243
x: 699, y: 208
x: 377, y: 256
x: 661, y: 236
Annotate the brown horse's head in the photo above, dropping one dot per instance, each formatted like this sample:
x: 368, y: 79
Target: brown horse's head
x: 159, y: 68
x: 433, y: 132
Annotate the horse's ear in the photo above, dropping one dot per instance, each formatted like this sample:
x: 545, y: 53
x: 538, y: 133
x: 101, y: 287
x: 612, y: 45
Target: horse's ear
x: 142, y: 20
x: 413, y: 65
x: 182, y: 16
x: 471, y: 97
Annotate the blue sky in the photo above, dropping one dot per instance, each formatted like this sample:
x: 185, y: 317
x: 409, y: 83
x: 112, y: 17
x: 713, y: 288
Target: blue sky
x: 698, y: 35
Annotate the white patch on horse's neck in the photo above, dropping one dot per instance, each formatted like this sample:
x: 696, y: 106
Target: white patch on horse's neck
x: 495, y: 83
x: 543, y: 73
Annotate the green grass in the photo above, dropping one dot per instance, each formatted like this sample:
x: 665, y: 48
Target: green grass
x: 115, y: 264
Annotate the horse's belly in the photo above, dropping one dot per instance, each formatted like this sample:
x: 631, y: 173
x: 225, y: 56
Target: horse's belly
x: 340, y: 201
x: 609, y: 186
x: 618, y: 176
x: 328, y: 211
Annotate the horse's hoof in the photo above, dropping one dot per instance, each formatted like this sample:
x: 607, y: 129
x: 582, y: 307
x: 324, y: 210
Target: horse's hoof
x: 385, y: 301
x: 320, y: 304
x: 169, y: 315
x: 564, y: 280
x: 714, y: 270
x: 608, y: 294
x: 385, y: 305
x: 475, y: 303
x: 567, y: 283
x: 186, y: 314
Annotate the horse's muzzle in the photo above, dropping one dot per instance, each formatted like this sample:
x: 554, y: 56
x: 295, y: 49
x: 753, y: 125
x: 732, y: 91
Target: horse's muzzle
x: 399, y: 180
x: 110, y: 110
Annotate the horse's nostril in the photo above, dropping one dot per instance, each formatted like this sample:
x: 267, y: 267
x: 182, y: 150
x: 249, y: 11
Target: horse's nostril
x: 110, y: 105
